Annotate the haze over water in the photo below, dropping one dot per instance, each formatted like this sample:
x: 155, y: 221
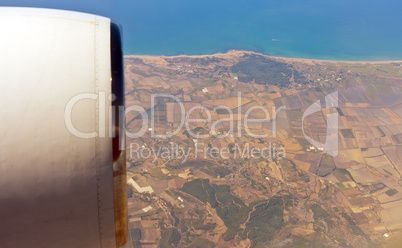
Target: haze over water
x: 320, y: 29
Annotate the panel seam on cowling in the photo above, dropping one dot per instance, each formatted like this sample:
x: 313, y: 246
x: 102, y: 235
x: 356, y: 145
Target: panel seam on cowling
x: 97, y: 144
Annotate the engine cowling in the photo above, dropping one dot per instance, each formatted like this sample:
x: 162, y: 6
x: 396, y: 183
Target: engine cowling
x: 62, y: 159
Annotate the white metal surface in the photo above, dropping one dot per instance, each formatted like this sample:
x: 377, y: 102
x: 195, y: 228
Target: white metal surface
x: 56, y: 190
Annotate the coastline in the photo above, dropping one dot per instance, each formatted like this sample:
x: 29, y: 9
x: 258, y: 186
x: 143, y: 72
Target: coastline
x: 239, y: 53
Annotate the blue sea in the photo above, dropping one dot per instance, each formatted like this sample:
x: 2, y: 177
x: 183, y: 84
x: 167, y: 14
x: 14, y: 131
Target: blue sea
x: 319, y: 29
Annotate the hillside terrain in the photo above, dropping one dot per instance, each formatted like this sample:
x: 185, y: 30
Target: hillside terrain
x: 256, y: 181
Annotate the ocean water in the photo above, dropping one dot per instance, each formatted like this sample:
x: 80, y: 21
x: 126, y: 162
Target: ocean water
x: 319, y: 29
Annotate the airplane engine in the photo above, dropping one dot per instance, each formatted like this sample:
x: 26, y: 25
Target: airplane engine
x: 62, y: 159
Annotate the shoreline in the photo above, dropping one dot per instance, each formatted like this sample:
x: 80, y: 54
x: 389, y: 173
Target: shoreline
x: 238, y: 53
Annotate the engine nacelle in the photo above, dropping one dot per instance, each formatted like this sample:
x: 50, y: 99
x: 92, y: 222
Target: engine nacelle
x: 59, y: 188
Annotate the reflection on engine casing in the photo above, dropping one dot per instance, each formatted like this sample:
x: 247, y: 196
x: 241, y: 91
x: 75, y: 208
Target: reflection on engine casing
x: 58, y: 189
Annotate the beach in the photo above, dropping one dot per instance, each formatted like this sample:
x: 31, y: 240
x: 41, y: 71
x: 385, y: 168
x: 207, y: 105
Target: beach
x: 240, y: 53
